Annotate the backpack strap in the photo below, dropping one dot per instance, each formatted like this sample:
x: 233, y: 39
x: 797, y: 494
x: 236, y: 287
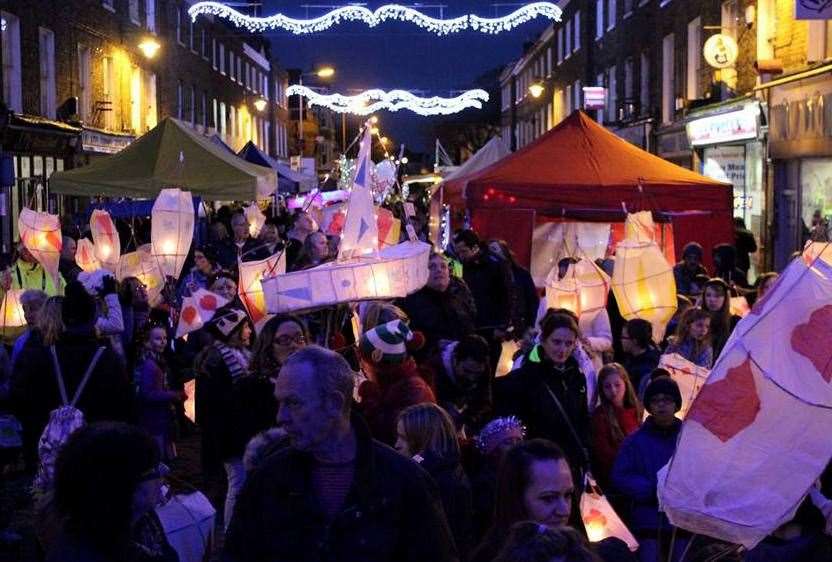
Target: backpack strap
x: 57, y: 368
x: 87, y: 375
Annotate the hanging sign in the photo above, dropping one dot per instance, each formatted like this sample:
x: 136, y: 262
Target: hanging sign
x: 721, y: 51
x: 595, y: 97
x: 726, y: 127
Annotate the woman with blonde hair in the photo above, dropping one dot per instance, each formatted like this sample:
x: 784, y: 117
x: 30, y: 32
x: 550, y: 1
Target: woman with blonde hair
x: 426, y: 433
x: 617, y: 414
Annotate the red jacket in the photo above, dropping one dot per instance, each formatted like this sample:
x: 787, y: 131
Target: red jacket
x: 604, y: 445
x: 396, y: 388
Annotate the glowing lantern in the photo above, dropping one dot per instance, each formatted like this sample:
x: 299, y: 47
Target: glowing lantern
x: 85, y: 255
x: 583, y: 290
x: 643, y: 282
x: 817, y: 250
x: 506, y: 362
x: 197, y: 309
x: 740, y: 307
x: 600, y: 519
x: 41, y: 235
x: 12, y: 320
x: 256, y: 219
x: 172, y: 229
x: 250, y: 286
x: 107, y: 243
x: 142, y: 265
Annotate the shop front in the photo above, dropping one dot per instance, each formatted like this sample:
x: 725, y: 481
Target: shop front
x: 728, y: 146
x: 800, y: 146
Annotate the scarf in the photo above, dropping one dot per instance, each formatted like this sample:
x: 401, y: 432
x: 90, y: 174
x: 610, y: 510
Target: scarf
x: 237, y: 360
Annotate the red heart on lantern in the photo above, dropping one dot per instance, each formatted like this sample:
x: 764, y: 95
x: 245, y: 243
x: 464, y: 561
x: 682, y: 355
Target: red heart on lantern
x: 813, y: 340
x: 208, y: 302
x: 189, y: 314
x: 728, y: 406
x: 595, y: 515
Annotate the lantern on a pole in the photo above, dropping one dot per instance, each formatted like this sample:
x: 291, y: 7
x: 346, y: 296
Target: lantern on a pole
x: 142, y: 265
x: 643, y: 281
x: 105, y: 237
x: 172, y: 229
x: 12, y: 319
x: 85, y: 256
x: 40, y: 234
x: 255, y: 217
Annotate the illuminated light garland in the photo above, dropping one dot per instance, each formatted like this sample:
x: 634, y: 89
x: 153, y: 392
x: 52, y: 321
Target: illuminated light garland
x: 371, y: 101
x: 388, y: 12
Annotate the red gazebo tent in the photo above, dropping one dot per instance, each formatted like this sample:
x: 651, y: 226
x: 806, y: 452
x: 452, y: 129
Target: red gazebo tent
x: 582, y: 172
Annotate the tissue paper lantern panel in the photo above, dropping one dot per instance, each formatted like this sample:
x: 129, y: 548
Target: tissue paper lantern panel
x: 105, y: 236
x: 142, y: 265
x: 12, y: 319
x: 583, y: 290
x: 41, y: 235
x: 85, y: 256
x: 172, y: 229
x: 256, y: 219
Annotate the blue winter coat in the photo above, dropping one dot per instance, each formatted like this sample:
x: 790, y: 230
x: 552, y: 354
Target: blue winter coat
x: 641, y: 456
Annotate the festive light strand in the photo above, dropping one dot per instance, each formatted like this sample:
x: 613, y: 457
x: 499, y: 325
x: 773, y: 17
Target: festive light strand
x: 388, y: 12
x: 371, y: 101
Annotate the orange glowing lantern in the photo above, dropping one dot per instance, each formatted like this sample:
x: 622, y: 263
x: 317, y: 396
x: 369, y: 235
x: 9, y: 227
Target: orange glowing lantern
x: 600, y: 519
x: 40, y: 234
x: 172, y: 229
x: 85, y: 255
x: 12, y: 319
x: 105, y: 237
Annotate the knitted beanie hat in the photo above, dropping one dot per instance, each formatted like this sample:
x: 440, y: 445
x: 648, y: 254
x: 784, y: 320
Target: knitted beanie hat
x: 666, y: 386
x: 386, y: 343
x: 225, y: 321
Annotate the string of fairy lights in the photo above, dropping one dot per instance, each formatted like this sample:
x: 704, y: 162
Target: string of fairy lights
x: 373, y: 18
x: 372, y: 101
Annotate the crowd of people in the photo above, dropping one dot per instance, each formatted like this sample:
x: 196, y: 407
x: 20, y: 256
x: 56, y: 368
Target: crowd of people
x: 365, y: 431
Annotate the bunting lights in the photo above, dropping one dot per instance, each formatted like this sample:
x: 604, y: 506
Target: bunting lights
x: 372, y: 18
x: 371, y: 101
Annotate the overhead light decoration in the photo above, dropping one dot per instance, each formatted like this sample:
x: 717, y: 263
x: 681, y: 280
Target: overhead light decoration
x: 388, y: 12
x: 371, y: 101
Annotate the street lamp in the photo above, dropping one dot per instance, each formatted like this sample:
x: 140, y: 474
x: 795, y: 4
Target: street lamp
x: 323, y: 72
x: 536, y: 89
x: 149, y: 47
x: 260, y: 104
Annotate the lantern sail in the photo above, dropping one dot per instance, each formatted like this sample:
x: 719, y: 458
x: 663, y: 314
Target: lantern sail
x: 85, y: 256
x: 360, y: 235
x: 107, y: 243
x: 250, y: 285
x: 172, y: 229
x: 40, y: 234
x: 255, y: 217
x: 757, y: 436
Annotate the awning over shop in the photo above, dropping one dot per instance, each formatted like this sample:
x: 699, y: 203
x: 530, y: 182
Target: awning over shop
x: 171, y: 154
x: 250, y: 153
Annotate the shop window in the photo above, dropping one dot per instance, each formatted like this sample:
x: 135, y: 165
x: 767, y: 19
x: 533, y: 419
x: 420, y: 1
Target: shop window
x: 12, y: 84
x: 816, y: 196
x: 644, y: 83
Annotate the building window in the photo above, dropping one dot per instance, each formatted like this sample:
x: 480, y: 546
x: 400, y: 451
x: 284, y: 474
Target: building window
x: 221, y: 126
x: 559, y: 40
x: 567, y: 46
x: 549, y: 61
x: 204, y: 109
x: 108, y: 5
x: 192, y: 107
x: 203, y: 40
x: 694, y: 64
x: 578, y: 95
x: 150, y: 15
x: 668, y: 79
x: 577, y: 31
x: 644, y: 84
x: 232, y: 118
x: 179, y: 100
x: 612, y: 7
x: 12, y: 83
x: 629, y: 69
x: 179, y: 32
x: 191, y: 35
x: 110, y: 92
x: 84, y: 83
x: 819, y: 40
x: 221, y: 56
x: 599, y: 81
x: 47, y: 72
x: 599, y: 19
x: 151, y: 116
x: 628, y: 8
x: 239, y: 69
x: 133, y: 10
x: 213, y: 53
x: 613, y: 94
x: 214, y: 109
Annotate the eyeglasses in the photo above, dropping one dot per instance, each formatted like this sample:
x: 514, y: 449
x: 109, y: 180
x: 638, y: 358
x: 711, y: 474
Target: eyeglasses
x: 289, y: 340
x: 159, y: 471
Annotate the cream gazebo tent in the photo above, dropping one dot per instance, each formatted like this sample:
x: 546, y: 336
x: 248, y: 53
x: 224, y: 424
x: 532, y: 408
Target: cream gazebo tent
x: 170, y: 154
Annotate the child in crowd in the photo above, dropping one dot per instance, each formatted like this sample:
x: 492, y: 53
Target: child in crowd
x: 692, y: 340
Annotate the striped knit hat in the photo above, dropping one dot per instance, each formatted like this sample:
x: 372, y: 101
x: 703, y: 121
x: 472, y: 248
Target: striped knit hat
x: 386, y: 343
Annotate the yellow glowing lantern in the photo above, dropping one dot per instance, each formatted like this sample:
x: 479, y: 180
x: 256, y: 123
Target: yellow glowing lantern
x: 256, y: 219
x: 643, y: 282
x: 105, y: 236
x: 12, y: 320
x: 583, y: 289
x: 142, y: 265
x: 40, y: 234
x: 172, y: 229
x: 85, y: 255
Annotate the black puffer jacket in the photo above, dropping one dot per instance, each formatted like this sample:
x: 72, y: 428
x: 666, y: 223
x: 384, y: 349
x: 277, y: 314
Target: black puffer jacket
x: 392, y: 512
x: 449, y: 315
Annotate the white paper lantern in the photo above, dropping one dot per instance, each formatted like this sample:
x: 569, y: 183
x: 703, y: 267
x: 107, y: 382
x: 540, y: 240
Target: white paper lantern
x: 250, y: 286
x: 643, y: 282
x: 85, y: 256
x: 172, y: 229
x: 142, y: 265
x: 256, y: 219
x: 12, y: 319
x: 583, y: 290
x: 817, y: 250
x: 106, y: 239
x: 41, y: 235
x: 600, y: 519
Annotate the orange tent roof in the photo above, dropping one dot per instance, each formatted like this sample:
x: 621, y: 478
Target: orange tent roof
x: 581, y: 165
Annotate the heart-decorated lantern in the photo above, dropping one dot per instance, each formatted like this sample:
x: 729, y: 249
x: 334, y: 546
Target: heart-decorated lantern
x: 106, y: 239
x: 40, y: 234
x: 600, y: 519
x: 85, y: 256
x: 172, y: 229
x: 197, y: 309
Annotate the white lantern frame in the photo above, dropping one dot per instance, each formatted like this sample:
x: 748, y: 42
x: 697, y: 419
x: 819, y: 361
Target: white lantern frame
x: 107, y: 244
x: 36, y: 228
x: 172, y: 229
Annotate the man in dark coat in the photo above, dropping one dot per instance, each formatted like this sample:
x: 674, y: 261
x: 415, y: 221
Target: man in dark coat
x: 686, y: 271
x: 443, y: 309
x: 745, y: 244
x: 240, y: 246
x: 463, y: 381
x: 333, y: 493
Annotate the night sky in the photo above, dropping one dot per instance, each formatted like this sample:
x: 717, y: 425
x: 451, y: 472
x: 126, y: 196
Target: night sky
x: 401, y: 55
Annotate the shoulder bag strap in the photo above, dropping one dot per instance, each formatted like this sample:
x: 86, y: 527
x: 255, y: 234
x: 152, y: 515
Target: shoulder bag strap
x: 87, y: 375
x: 571, y: 427
x: 58, y: 376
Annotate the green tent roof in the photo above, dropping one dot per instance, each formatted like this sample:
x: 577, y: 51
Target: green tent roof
x: 152, y: 162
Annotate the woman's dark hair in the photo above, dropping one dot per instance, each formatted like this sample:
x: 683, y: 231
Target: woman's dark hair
x: 531, y: 542
x: 467, y: 237
x: 556, y: 318
x: 125, y: 290
x: 507, y: 251
x: 720, y: 319
x: 262, y: 360
x: 513, y: 478
x: 472, y: 347
x: 96, y: 475
x: 763, y: 279
x: 641, y: 332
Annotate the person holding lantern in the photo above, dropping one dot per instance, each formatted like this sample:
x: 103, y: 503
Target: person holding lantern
x: 27, y: 273
x: 549, y: 391
x: 204, y: 270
